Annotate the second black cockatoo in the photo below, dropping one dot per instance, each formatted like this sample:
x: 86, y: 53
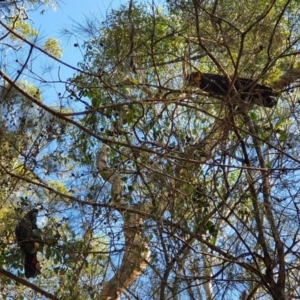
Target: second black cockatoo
x: 29, y: 239
x: 248, y: 89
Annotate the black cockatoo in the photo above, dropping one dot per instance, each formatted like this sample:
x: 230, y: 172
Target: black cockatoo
x: 28, y: 237
x: 248, y: 89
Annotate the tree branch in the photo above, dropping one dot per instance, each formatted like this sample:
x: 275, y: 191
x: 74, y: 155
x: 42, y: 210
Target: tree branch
x: 286, y: 79
x: 28, y: 284
x: 136, y: 248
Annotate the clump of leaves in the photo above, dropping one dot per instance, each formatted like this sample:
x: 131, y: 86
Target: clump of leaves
x: 52, y: 47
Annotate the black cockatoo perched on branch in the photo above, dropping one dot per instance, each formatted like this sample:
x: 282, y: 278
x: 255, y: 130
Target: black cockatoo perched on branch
x: 248, y: 89
x: 28, y: 237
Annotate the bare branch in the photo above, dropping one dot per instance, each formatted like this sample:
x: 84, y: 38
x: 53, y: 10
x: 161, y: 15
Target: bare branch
x: 28, y: 284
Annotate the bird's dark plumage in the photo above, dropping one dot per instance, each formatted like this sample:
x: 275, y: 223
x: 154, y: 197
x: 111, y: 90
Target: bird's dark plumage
x: 28, y: 237
x: 248, y: 89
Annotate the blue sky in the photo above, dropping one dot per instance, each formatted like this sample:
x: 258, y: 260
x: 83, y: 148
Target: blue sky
x: 52, y: 22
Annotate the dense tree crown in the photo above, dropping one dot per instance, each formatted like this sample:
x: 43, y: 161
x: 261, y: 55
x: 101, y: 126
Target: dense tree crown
x: 166, y: 167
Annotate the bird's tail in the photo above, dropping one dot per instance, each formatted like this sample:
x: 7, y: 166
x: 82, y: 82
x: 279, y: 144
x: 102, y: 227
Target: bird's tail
x: 31, y: 265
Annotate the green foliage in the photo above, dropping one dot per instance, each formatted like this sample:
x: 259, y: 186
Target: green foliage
x: 23, y: 28
x: 52, y: 47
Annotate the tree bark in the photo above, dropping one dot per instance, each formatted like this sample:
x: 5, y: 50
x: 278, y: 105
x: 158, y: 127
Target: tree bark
x: 136, y: 250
